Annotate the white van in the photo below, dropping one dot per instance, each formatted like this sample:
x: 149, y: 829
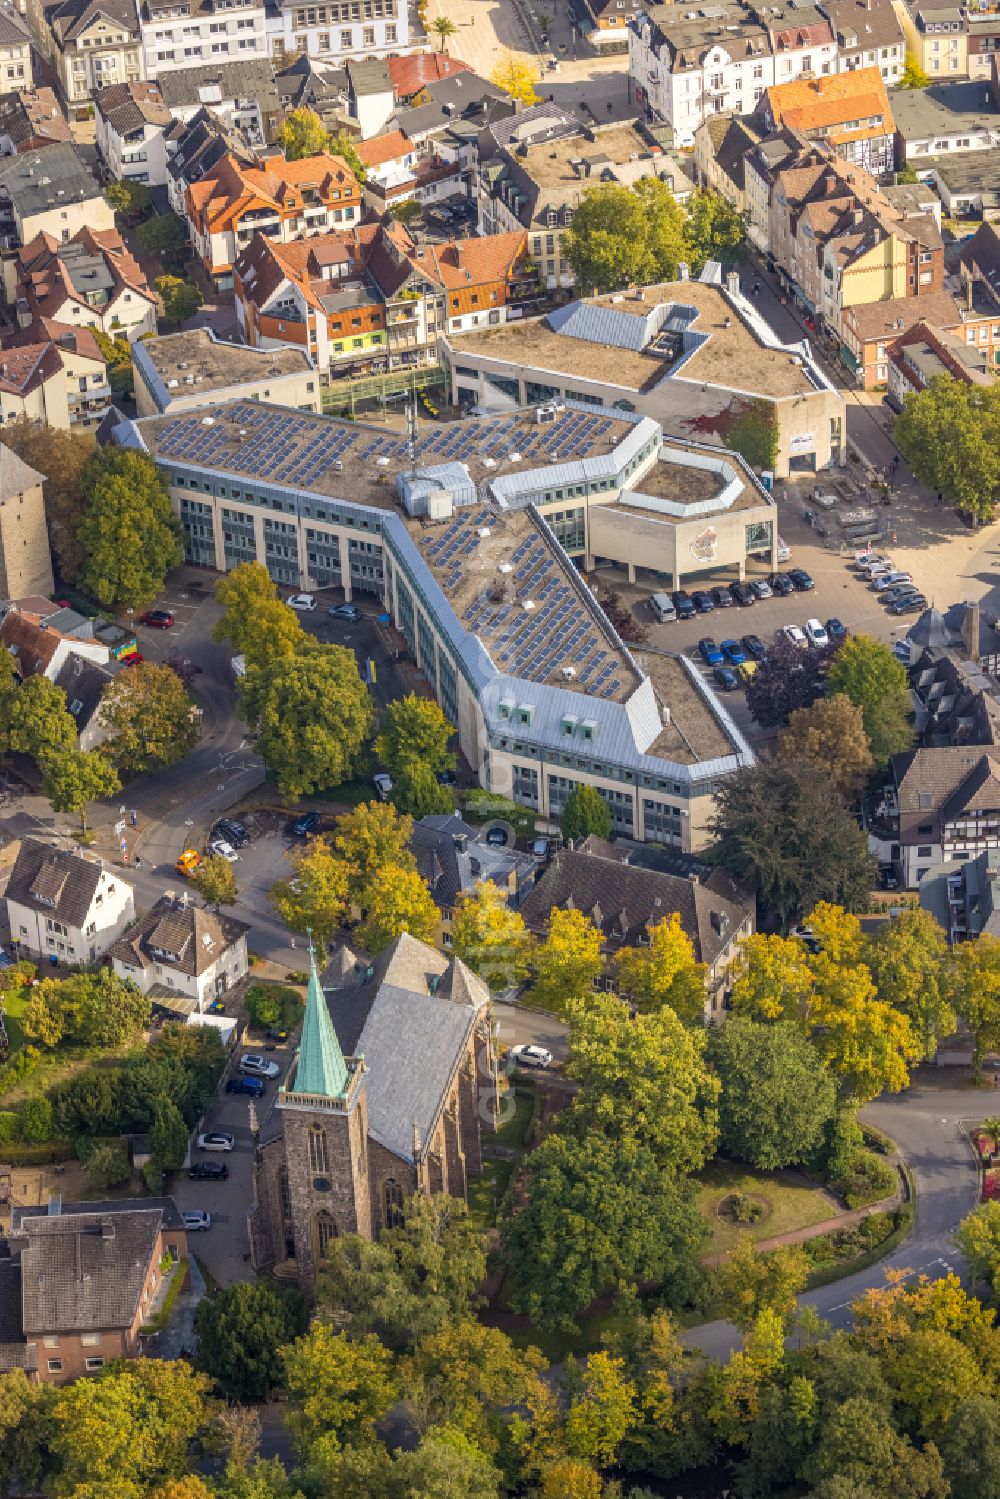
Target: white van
x: 662, y: 606
x: 784, y: 551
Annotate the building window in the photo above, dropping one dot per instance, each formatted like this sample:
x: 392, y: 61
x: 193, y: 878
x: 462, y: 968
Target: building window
x: 392, y: 1204
x: 55, y: 1365
x: 95, y: 1363
x: 326, y: 1232
x: 319, y: 1163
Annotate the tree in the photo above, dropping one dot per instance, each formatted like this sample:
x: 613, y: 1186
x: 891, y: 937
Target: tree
x: 596, y: 1213
x: 446, y: 1465
x: 241, y: 1331
x: 948, y: 434
x: 621, y: 619
x: 464, y: 1376
x: 516, y: 78
x: 370, y: 839
x: 181, y: 299
x: 570, y: 1479
x: 868, y: 673
x: 399, y: 902
x: 859, y: 1455
x: 107, y: 1166
x: 407, y: 212
x: 749, y: 1283
x: 585, y: 813
x: 107, y: 1011
x: 830, y: 737
x: 568, y: 962
x: 714, y: 230
x: 415, y: 732
x: 36, y: 1119
x: 313, y: 715
x: 337, y: 1389
x: 623, y: 236
x: 416, y: 790
x: 970, y: 1447
x: 974, y: 990
x: 978, y: 1239
x: 128, y: 530
x: 40, y: 724
x: 490, y: 937
x: 444, y: 27
x: 601, y: 1410
x: 150, y: 719
x: 777, y: 1098
x: 168, y: 1137
x: 644, y: 1076
x: 254, y: 620
x: 908, y: 961
x: 343, y: 145
x: 128, y: 198
x: 315, y: 899
x: 9, y: 686
x: 790, y: 839
x: 117, y: 354
x: 933, y: 1372
x: 786, y: 680
x: 913, y: 75
x: 303, y: 134
x: 665, y: 972
x: 61, y: 458
x: 164, y: 234
x: 215, y: 882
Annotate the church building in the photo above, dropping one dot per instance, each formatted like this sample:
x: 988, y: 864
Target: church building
x: 394, y: 1081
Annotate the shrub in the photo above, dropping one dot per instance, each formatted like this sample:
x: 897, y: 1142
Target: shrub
x: 273, y: 1004
x: 36, y: 1120
x: 9, y: 1127
x: 876, y: 1228
x: 747, y: 1209
x: 20, y: 1066
x: 108, y: 1166
x: 866, y: 1178
x: 18, y: 975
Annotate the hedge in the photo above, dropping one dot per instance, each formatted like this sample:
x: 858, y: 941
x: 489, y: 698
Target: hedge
x: 23, y: 1153
x: 10, y: 1125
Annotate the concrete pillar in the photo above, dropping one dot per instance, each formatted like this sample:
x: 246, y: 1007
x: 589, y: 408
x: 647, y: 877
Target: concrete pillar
x: 345, y: 566
x: 258, y: 537
x: 631, y: 571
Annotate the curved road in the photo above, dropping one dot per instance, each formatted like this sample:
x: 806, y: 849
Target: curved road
x: 926, y: 1123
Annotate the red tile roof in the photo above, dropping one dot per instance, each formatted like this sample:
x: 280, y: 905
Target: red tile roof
x: 410, y: 74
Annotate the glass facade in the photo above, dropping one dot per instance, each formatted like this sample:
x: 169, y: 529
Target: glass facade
x: 199, y: 533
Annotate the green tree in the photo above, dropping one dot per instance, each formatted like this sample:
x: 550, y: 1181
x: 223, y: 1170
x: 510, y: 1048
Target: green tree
x: 399, y: 902
x: 868, y: 673
x: 241, y: 1331
x: 128, y: 530
x: 415, y: 732
x: 117, y: 354
x: 40, y: 724
x: 665, y: 972
x: 164, y: 234
x: 978, y: 1239
x: 168, y: 1137
x: 568, y: 962
x: 337, y: 1389
x: 974, y: 991
x: 948, y: 433
x: 343, y: 145
x: 76, y: 777
x: 466, y: 1376
x: 609, y: 245
x: 180, y: 298
x: 789, y: 838
x: 61, y: 458
x: 416, y: 790
x: 107, y: 1166
x: 830, y: 737
x: 303, y: 134
x: 215, y: 882
x: 9, y: 687
x: 970, y: 1447
x: 601, y: 1410
x: 713, y: 230
x: 913, y: 75
x: 908, y: 959
x: 315, y: 898
x: 446, y: 1465
x: 128, y: 198
x: 490, y: 937
x: 777, y: 1097
x: 407, y: 212
x: 36, y: 1119
x: 255, y: 621
x: 933, y: 1372
x: 150, y: 718
x: 444, y: 27
x: 585, y: 813
x: 749, y: 1283
x: 372, y: 838
x: 107, y: 1011
x: 313, y: 715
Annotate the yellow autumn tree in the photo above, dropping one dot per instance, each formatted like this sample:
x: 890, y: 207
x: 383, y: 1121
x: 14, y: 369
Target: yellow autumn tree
x: 491, y: 937
x: 516, y: 78
x: 664, y: 973
x: 567, y: 962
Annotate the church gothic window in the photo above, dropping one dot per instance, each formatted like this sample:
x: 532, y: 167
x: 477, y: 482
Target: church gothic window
x: 318, y: 1160
x: 392, y: 1204
x: 326, y: 1232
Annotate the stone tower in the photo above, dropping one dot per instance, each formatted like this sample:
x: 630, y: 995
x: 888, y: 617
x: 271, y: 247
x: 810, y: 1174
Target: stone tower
x: 25, y: 563
x: 324, y: 1113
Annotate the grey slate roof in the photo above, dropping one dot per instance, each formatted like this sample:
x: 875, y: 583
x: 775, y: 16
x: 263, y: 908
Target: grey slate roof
x: 452, y: 857
x: 69, y: 880
x: 86, y: 1271
x: 39, y: 180
x: 235, y: 80
x: 187, y: 938
x: 83, y: 683
x: 72, y: 17
x: 12, y: 29
x: 165, y: 1206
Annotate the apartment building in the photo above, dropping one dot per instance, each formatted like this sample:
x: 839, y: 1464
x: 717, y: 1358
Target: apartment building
x: 195, y: 955
x: 365, y: 29
x: 181, y: 371
x: 92, y: 281
x: 15, y: 51
x: 30, y: 118
x: 284, y: 199
x: 399, y: 169
x: 868, y: 35
x: 49, y: 191
x: 90, y: 44
x: 982, y: 23
x: 687, y: 65
x: 605, y: 23
x: 923, y: 352
x: 850, y: 111
x: 65, y: 904
x: 189, y: 33
x: 374, y: 298
x: 133, y: 124
x: 84, y: 368
x: 535, y: 166
x: 937, y: 36
x: 240, y: 94
x: 944, y: 119
x: 198, y: 145
x: 54, y: 375
x: 721, y: 144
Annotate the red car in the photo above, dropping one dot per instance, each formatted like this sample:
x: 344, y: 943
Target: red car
x: 157, y: 619
x: 134, y: 660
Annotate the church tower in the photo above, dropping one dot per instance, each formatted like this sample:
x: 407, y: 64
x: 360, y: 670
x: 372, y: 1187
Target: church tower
x: 324, y: 1112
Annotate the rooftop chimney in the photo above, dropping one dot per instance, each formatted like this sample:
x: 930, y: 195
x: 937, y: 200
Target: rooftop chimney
x: 683, y: 271
x: 970, y: 630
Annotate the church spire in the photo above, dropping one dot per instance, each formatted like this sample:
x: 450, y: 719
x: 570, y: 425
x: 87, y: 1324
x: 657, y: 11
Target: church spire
x: 322, y: 1070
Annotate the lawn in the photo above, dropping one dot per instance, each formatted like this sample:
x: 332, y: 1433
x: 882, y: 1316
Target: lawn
x: 794, y: 1203
x: 14, y: 1002
x: 486, y: 1193
x: 514, y: 1128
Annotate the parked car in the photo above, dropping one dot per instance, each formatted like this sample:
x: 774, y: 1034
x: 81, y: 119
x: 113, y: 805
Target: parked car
x: 722, y: 598
x: 446, y: 778
x: 233, y: 832
x: 531, y: 1056
x: 761, y: 588
x: 807, y: 936
x: 257, y: 1065
x: 836, y: 630
x: 781, y: 585
x: 816, y: 634
x: 742, y: 594
x: 252, y: 1085
x: 345, y: 611
x: 383, y: 785
x: 796, y: 635
x: 726, y: 678
x: 187, y: 862
x: 800, y: 579
x: 733, y: 652
x: 497, y: 837
x: 208, y: 1171
x: 684, y: 604
x: 196, y: 1220
x: 755, y: 647
x: 910, y: 603
x: 305, y: 603
x: 864, y: 561
x: 221, y: 849
x: 888, y: 580
x: 703, y: 601
x: 709, y: 651
x: 887, y: 877
x: 218, y: 1139
x: 157, y: 619
x: 136, y: 659
x: 898, y: 591
x: 304, y: 825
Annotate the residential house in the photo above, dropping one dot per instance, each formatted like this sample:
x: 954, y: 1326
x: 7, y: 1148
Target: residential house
x: 35, y: 380
x: 923, y: 352
x: 284, y: 199
x: 78, y: 1283
x: 625, y: 900
x: 936, y: 36
x: 459, y: 105
x: 181, y: 371
x: 84, y: 683
x: 89, y: 44
x: 362, y: 29
x: 242, y: 94
x: 49, y: 191
x: 25, y: 561
x: 15, y: 51
x: 721, y: 144
x: 686, y: 65
x: 870, y: 330
x: 944, y: 118
x: 83, y: 366
x: 982, y: 24
x: 453, y: 857
x: 195, y: 147
x: 963, y: 895
x: 397, y: 169
x: 30, y: 118
x: 411, y: 74
x: 967, y: 184
x: 182, y: 956
x: 374, y: 294
x: 605, y: 23
x: 92, y: 281
x: 868, y: 35
x: 132, y: 128
x: 187, y: 33
x: 535, y: 167
x: 65, y: 906
x: 356, y: 97
x: 848, y: 110
x: 945, y: 804
x: 31, y: 628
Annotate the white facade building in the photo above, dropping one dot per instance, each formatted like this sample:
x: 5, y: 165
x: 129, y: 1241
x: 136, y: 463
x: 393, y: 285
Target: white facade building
x: 182, y: 956
x: 65, y: 906
x: 191, y: 33
x: 338, y: 29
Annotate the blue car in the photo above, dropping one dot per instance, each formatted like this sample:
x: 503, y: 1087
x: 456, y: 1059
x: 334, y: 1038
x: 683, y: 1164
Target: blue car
x: 726, y: 678
x: 836, y: 629
x: 252, y: 1085
x: 710, y: 653
x: 304, y: 825
x: 733, y: 652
